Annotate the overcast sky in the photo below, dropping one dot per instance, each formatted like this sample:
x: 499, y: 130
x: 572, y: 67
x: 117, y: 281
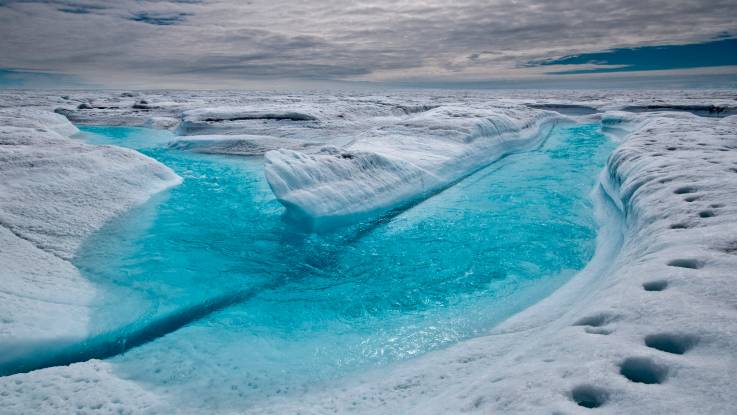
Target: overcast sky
x: 206, y: 43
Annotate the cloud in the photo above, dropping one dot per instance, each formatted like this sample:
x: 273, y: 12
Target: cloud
x: 159, y: 18
x: 386, y: 40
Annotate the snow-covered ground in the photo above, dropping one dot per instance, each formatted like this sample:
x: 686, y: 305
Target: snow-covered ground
x: 650, y: 326
x: 54, y: 192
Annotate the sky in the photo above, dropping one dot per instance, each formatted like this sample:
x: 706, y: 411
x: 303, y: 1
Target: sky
x: 275, y: 43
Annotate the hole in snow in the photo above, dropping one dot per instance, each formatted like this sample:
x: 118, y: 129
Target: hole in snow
x: 716, y: 205
x: 679, y: 226
x: 730, y: 247
x: 658, y: 285
x: 684, y: 190
x: 691, y: 199
x: 671, y: 342
x: 643, y: 370
x: 598, y: 330
x: 589, y: 396
x: 686, y: 263
x: 596, y: 320
x: 706, y: 214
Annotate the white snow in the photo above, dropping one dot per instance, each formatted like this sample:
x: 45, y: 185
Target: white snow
x: 386, y: 168
x: 54, y: 192
x: 162, y: 123
x: 232, y: 119
x: 243, y: 144
x: 658, y: 302
x: 84, y: 388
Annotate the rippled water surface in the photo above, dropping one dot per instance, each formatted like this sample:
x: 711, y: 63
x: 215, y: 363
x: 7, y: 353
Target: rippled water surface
x: 242, y: 306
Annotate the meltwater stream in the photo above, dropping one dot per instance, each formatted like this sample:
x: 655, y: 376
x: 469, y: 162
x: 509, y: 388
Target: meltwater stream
x: 264, y: 309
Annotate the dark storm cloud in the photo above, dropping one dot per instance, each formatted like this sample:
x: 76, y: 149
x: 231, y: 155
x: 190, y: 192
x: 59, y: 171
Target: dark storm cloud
x: 331, y: 39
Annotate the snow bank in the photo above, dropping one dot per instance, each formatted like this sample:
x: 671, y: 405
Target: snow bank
x: 653, y: 332
x: 76, y: 389
x: 242, y: 144
x: 55, y: 191
x: 565, y: 108
x: 163, y: 123
x: 225, y: 119
x: 392, y: 166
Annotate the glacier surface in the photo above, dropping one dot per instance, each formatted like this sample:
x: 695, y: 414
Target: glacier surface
x: 648, y: 327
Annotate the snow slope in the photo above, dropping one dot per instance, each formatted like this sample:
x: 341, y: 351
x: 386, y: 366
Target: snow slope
x: 390, y: 167
x: 54, y: 192
x: 225, y: 119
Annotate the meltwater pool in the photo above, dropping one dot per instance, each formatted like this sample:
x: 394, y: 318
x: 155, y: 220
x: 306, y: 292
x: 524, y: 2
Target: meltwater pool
x: 212, y: 297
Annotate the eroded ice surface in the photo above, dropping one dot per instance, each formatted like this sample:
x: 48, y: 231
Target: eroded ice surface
x: 653, y: 332
x: 387, y: 168
x: 662, y: 312
x: 304, y: 308
x: 55, y: 191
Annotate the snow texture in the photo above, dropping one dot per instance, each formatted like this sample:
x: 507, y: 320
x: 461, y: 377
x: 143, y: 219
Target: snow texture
x: 54, y: 192
x: 225, y: 119
x: 650, y: 326
x: 244, y: 144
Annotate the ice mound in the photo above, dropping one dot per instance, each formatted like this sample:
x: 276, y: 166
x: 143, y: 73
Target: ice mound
x: 163, y: 123
x: 55, y: 191
x: 229, y: 119
x: 38, y: 119
x: 75, y: 389
x: 703, y: 110
x: 565, y: 108
x: 396, y: 164
x: 243, y: 144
